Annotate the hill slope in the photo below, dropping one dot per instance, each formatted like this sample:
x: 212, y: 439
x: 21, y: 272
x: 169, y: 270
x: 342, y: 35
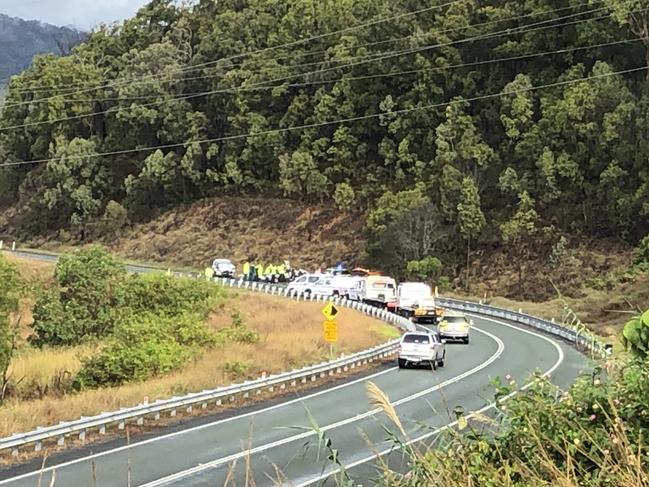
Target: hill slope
x: 21, y: 40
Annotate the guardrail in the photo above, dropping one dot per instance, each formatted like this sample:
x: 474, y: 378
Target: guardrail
x: 220, y: 396
x: 223, y: 395
x: 576, y: 335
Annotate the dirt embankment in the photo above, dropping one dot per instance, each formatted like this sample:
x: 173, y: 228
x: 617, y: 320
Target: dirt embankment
x: 261, y: 229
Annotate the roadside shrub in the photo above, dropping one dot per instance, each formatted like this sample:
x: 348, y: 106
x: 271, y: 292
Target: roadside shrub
x: 94, y: 295
x: 85, y: 304
x: 426, y: 269
x: 237, y: 369
x: 591, y: 435
x: 115, y: 218
x: 145, y: 347
x: 641, y: 253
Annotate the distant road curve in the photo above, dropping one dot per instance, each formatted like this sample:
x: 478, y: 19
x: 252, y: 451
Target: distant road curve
x: 277, y: 444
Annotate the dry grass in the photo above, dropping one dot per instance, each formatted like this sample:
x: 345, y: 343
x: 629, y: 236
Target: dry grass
x: 291, y: 336
x: 262, y: 229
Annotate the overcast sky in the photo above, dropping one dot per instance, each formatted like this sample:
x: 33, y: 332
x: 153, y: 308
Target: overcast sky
x: 83, y: 14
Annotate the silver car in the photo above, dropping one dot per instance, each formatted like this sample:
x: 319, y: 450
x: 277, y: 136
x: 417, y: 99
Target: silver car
x: 421, y: 347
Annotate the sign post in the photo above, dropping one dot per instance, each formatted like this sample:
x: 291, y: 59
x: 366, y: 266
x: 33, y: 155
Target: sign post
x: 330, y: 327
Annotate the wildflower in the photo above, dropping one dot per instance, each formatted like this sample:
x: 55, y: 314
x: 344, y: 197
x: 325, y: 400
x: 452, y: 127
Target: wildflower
x: 605, y: 452
x: 615, y: 441
x: 576, y: 441
x: 597, y: 382
x: 503, y: 408
x: 508, y: 377
x: 616, y: 402
x: 593, y: 417
x: 579, y: 409
x: 595, y: 406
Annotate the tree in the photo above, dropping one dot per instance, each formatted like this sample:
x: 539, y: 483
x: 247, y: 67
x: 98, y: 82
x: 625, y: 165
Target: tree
x: 77, y: 182
x: 299, y: 175
x: 517, y: 231
x: 426, y: 269
x: 471, y: 219
x: 9, y: 296
x: 635, y: 15
x: 344, y: 196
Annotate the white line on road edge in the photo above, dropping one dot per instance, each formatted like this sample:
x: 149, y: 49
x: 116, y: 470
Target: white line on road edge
x: 40, y: 472
x: 437, y: 431
x: 269, y: 446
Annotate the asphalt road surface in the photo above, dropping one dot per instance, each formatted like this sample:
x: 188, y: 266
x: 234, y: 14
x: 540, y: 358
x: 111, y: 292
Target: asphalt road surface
x: 285, y: 443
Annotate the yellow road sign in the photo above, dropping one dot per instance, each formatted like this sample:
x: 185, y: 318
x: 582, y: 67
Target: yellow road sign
x: 330, y: 329
x: 329, y: 311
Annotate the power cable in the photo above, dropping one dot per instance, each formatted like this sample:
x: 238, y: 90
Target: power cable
x: 333, y: 122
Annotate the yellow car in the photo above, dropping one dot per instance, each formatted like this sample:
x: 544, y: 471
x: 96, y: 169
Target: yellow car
x: 454, y: 326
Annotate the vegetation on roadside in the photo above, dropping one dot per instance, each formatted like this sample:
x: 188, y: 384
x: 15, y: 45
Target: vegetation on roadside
x: 225, y: 338
x: 592, y: 434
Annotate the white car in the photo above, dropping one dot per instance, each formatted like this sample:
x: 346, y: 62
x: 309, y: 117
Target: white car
x: 304, y: 284
x: 343, y: 285
x: 223, y: 268
x: 421, y: 347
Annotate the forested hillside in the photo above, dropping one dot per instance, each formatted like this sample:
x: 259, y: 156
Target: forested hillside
x: 449, y: 127
x: 21, y: 40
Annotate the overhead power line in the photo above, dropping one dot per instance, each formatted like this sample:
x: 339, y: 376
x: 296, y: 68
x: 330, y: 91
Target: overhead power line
x: 166, y: 76
x: 334, y: 122
x: 291, y: 43
x: 517, y: 30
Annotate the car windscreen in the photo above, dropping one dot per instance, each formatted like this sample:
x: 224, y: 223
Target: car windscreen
x: 416, y: 339
x: 382, y: 285
x: 455, y: 319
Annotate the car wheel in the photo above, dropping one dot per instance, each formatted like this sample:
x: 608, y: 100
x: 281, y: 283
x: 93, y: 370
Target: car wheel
x: 441, y: 361
x: 402, y: 363
x: 466, y: 341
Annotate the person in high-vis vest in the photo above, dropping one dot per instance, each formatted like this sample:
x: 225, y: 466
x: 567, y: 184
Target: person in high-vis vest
x: 209, y: 273
x: 246, y: 270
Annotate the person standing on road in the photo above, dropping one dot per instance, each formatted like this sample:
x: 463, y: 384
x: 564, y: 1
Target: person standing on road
x: 246, y: 271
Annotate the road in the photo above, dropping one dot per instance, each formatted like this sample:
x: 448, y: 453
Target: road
x: 279, y: 445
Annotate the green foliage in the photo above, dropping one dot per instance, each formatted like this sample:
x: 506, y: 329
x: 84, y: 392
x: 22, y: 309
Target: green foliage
x: 115, y: 218
x: 344, y: 196
x: 635, y: 336
x: 94, y: 296
x: 577, y: 149
x: 426, y: 269
x: 237, y: 369
x: 9, y: 296
x: 590, y: 435
x: 641, y: 253
x: 85, y: 304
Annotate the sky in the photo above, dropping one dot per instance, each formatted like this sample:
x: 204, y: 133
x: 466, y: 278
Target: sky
x: 82, y: 14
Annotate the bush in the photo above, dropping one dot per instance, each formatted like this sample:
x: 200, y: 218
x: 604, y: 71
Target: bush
x: 115, y: 218
x: 641, y: 253
x: 94, y: 295
x: 85, y: 304
x: 344, y: 196
x: 145, y: 347
x: 592, y: 435
x: 237, y: 369
x: 427, y: 269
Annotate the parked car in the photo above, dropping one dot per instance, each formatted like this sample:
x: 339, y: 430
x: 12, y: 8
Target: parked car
x: 343, y: 284
x: 304, y: 284
x: 223, y: 268
x: 454, y: 326
x: 421, y: 347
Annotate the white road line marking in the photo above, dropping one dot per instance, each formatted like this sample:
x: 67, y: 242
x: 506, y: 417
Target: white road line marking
x: 436, y: 431
x: 269, y: 446
x: 39, y: 472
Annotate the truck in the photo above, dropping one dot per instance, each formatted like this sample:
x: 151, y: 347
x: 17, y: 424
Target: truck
x: 415, y: 301
x: 375, y: 290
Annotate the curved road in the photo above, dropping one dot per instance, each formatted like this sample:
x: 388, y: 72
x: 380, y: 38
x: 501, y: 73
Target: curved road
x: 279, y: 445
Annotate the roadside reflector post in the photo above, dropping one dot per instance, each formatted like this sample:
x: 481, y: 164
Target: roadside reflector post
x: 13, y: 247
x: 1, y: 244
